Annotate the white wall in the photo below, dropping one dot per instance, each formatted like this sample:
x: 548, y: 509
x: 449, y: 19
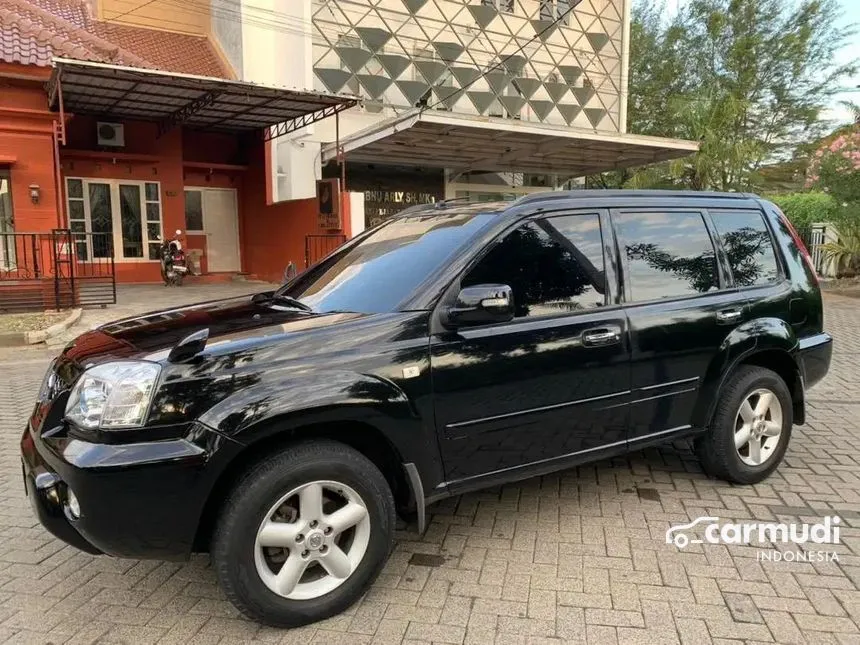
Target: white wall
x: 277, y: 50
x: 356, y: 212
x: 227, y: 31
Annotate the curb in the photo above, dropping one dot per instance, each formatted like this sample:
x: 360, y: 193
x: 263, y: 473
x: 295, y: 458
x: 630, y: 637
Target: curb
x: 17, y: 338
x: 40, y: 336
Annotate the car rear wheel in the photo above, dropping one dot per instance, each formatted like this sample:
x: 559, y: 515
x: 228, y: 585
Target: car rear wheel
x: 303, y: 534
x: 750, y: 429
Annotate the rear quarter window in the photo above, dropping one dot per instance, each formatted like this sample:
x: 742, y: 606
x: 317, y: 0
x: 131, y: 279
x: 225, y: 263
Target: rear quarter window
x: 748, y: 246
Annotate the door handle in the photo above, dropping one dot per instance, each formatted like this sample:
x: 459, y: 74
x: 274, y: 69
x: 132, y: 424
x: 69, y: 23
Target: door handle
x: 600, y: 337
x: 729, y: 315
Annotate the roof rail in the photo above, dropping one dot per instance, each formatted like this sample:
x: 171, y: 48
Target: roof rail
x: 627, y: 192
x: 442, y: 203
x: 413, y: 209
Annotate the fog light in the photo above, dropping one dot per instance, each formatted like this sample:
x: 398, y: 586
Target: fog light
x: 74, y: 506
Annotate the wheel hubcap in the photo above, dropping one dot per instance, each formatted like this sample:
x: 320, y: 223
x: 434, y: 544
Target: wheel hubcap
x: 312, y: 540
x: 758, y: 427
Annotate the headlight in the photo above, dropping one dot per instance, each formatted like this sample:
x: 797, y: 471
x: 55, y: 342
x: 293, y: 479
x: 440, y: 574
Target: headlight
x: 49, y: 382
x: 113, y: 396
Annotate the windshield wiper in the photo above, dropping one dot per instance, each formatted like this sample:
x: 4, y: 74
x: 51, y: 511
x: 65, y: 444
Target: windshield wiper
x: 281, y: 299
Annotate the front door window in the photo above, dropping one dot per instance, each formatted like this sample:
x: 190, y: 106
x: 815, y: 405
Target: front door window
x: 124, y: 216
x: 553, y: 266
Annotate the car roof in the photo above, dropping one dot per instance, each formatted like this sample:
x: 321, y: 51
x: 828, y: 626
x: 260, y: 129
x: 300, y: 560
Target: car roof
x: 547, y: 198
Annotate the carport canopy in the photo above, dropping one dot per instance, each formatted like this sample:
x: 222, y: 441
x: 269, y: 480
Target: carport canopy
x: 172, y: 99
x: 465, y: 143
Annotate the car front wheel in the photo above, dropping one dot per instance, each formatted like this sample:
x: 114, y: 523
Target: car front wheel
x: 304, y: 534
x: 750, y: 429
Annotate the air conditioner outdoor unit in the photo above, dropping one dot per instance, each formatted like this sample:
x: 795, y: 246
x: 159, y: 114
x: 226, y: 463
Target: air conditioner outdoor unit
x: 110, y: 134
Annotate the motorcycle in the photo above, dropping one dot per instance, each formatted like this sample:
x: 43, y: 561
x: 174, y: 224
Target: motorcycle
x: 173, y: 264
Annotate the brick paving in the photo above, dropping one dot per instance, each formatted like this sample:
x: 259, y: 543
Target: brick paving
x: 574, y: 557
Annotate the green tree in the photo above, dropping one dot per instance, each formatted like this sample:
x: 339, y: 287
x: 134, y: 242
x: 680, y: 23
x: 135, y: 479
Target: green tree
x: 746, y: 78
x: 659, y: 69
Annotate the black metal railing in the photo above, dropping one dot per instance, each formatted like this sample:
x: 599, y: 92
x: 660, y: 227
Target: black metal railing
x: 21, y: 256
x: 56, y: 270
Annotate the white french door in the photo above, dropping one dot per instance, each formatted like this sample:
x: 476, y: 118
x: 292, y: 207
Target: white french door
x: 124, y: 215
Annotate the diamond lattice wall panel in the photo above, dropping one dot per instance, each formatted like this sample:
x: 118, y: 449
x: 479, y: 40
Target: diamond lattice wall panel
x: 374, y: 38
x: 476, y: 57
x: 448, y: 52
x: 526, y: 87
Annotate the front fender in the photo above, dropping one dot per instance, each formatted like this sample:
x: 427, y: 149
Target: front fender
x: 745, y: 340
x: 277, y: 405
x: 331, y: 395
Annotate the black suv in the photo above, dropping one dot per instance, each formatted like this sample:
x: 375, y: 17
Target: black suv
x: 454, y: 347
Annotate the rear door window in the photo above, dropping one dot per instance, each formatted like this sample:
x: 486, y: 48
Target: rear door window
x: 748, y: 247
x: 667, y: 254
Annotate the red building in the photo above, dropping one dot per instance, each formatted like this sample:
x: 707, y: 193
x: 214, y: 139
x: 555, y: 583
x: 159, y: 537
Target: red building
x: 131, y: 133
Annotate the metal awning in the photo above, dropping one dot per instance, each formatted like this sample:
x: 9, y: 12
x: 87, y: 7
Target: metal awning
x: 464, y: 143
x: 171, y: 99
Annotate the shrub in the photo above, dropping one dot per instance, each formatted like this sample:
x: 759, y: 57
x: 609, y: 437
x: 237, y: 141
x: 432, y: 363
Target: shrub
x: 804, y: 209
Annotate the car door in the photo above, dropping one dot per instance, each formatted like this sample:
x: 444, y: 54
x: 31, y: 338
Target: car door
x: 680, y: 306
x: 550, y: 386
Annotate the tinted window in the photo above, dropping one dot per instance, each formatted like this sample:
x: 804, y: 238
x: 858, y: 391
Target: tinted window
x: 748, y: 247
x: 553, y: 266
x: 668, y: 255
x: 388, y: 265
x: 193, y: 210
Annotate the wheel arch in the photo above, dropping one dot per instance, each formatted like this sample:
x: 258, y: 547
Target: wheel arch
x: 779, y: 361
x: 785, y: 365
x: 363, y: 437
x: 764, y: 342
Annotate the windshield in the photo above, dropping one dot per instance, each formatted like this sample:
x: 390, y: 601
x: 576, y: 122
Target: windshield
x: 383, y: 269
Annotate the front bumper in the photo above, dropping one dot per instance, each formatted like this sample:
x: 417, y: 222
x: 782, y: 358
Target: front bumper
x: 141, y: 500
x: 49, y: 499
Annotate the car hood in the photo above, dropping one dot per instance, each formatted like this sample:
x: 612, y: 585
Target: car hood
x: 231, y: 322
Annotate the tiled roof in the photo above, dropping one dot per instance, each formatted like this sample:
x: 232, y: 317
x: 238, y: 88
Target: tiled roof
x: 32, y: 36
x: 32, y: 32
x: 166, y: 50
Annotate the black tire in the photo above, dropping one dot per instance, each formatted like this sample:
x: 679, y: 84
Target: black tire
x: 716, y: 448
x: 261, y: 487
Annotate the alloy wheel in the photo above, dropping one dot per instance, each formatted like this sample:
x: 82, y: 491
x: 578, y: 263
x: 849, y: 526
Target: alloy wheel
x: 758, y: 427
x: 311, y: 540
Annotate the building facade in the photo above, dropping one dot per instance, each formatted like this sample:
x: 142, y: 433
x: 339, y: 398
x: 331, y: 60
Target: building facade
x: 451, y: 98
x: 121, y: 176
x: 553, y: 64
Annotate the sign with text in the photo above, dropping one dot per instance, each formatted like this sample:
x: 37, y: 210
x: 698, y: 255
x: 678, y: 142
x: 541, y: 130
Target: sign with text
x: 380, y: 204
x: 328, y: 203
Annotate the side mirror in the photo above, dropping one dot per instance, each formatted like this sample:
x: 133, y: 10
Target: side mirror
x: 481, y: 305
